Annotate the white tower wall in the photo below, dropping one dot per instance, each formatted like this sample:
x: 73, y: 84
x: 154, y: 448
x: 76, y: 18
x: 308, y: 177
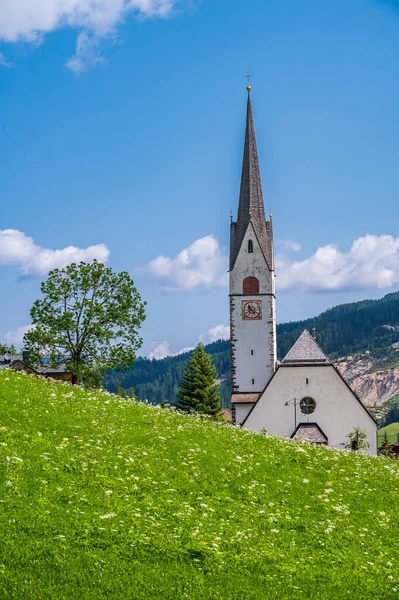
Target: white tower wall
x: 253, y: 342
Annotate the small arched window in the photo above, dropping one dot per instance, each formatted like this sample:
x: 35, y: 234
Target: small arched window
x: 250, y: 247
x: 250, y: 286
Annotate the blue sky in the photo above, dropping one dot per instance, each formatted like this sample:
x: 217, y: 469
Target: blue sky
x: 121, y: 135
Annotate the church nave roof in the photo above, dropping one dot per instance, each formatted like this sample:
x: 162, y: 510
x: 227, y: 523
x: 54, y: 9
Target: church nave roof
x: 305, y: 350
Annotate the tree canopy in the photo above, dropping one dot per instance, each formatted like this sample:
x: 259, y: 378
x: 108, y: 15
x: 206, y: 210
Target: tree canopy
x: 89, y: 318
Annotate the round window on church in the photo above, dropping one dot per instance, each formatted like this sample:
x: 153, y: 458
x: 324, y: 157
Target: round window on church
x: 307, y: 405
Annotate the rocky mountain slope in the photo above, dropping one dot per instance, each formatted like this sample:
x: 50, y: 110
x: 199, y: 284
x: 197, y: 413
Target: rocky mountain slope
x: 374, y: 375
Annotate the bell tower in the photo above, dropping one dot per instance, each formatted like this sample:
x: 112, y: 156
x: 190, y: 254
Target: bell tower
x: 252, y: 287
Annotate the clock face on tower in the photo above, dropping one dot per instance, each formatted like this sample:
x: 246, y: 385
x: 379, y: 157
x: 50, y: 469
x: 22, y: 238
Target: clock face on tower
x: 252, y: 310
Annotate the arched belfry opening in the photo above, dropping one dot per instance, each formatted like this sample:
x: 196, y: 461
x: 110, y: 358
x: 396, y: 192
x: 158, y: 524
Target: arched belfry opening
x: 250, y: 286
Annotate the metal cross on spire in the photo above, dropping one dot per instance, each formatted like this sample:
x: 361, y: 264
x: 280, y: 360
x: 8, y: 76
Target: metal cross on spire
x: 248, y: 76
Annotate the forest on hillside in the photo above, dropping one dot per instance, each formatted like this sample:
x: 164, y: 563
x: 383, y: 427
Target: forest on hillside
x: 342, y: 330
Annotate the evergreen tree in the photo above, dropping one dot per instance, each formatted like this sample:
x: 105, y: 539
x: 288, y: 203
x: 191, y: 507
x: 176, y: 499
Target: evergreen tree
x: 199, y: 390
x: 385, y: 449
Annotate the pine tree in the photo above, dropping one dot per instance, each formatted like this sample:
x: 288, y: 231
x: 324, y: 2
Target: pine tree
x: 385, y: 449
x: 198, y: 389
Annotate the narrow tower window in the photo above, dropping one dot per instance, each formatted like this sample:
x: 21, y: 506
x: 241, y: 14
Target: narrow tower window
x: 250, y: 246
x: 253, y: 382
x: 250, y: 286
x: 252, y: 352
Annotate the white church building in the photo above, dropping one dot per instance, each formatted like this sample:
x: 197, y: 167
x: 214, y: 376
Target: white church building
x: 303, y: 397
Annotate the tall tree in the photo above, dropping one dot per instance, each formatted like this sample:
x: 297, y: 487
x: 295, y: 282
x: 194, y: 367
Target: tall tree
x: 199, y: 390
x: 88, y: 316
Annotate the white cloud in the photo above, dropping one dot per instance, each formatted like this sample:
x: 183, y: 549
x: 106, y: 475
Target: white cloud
x: 289, y: 245
x: 203, y: 263
x: 16, y: 337
x: 18, y: 249
x: 4, y: 62
x: 30, y: 20
x: 219, y: 332
x: 159, y: 350
x: 371, y: 262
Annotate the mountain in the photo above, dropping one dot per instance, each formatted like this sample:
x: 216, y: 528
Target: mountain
x: 103, y: 497
x: 365, y: 332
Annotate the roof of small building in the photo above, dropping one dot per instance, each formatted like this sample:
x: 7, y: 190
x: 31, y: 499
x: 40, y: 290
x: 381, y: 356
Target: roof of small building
x: 244, y: 398
x: 7, y: 360
x: 227, y: 414
x: 305, y: 351
x: 309, y: 432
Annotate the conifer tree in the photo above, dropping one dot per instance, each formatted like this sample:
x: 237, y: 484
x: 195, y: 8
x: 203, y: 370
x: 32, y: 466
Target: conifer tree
x: 198, y: 389
x: 385, y: 449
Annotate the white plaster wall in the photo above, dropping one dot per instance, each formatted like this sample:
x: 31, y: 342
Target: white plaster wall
x: 241, y: 411
x: 337, y: 410
x: 257, y: 335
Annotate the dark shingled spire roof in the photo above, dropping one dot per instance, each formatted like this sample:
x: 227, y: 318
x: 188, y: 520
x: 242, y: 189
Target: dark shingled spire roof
x: 251, y: 200
x: 305, y: 351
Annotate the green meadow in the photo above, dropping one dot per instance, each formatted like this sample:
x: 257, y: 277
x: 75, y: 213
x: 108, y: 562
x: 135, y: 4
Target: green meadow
x: 391, y: 430
x: 107, y: 498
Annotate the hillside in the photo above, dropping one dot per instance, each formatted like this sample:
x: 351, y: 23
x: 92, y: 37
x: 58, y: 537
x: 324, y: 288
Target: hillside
x: 102, y: 497
x: 392, y: 432
x: 369, y: 326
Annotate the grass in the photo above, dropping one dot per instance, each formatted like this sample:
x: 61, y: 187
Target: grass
x: 104, y: 498
x: 392, y: 429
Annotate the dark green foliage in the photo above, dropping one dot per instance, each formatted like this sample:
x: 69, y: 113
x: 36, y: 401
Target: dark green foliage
x: 198, y: 390
x: 348, y: 328
x: 345, y: 329
x: 392, y: 411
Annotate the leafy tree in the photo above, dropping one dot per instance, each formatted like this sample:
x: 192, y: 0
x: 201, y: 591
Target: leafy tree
x: 357, y: 440
x: 3, y: 348
x: 88, y: 316
x: 199, y: 390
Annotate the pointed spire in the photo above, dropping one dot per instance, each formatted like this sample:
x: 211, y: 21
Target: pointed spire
x: 251, y: 207
x: 251, y: 199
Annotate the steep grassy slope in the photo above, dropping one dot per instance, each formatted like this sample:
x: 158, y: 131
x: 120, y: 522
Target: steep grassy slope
x: 108, y: 498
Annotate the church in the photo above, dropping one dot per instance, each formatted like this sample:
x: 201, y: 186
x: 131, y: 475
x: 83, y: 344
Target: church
x: 303, y: 397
